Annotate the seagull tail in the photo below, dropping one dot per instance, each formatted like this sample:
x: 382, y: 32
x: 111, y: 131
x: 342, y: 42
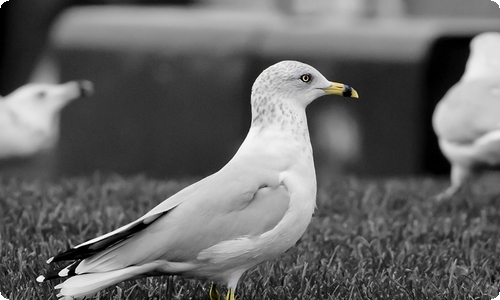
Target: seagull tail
x: 83, y: 285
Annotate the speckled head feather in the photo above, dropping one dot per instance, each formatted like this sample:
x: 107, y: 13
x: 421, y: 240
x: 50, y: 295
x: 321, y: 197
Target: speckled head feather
x: 282, y: 88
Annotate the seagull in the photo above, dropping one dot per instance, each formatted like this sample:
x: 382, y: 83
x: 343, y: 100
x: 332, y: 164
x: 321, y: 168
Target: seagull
x: 250, y: 211
x: 29, y: 116
x: 467, y: 119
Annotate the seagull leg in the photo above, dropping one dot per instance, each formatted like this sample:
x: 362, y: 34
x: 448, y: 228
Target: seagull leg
x: 230, y: 294
x: 459, y: 181
x: 214, y: 292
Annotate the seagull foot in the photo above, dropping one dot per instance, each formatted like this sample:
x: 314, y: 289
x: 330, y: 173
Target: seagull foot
x: 230, y: 295
x: 452, y: 191
x: 446, y: 195
x: 214, y: 292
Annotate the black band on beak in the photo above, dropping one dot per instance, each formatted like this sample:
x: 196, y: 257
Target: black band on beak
x: 86, y: 88
x: 347, y: 91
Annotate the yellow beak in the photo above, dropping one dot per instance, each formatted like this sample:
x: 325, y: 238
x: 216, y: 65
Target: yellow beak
x: 341, y: 89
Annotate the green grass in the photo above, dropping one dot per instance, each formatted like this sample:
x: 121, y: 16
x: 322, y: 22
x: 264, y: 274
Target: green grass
x: 381, y: 239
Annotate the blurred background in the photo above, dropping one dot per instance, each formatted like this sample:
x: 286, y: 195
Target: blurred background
x: 172, y: 78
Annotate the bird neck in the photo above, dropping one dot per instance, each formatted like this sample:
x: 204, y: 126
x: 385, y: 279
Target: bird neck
x: 282, y: 117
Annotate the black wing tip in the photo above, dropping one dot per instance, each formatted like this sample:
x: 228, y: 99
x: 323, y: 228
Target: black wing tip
x: 61, y: 273
x: 73, y: 254
x: 49, y: 276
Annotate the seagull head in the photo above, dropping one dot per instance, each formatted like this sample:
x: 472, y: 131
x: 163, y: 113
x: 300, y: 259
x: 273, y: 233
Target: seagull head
x: 484, y: 58
x: 297, y: 82
x: 293, y: 85
x: 46, y: 99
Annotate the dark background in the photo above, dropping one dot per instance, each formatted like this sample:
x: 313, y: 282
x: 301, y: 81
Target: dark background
x: 172, y: 97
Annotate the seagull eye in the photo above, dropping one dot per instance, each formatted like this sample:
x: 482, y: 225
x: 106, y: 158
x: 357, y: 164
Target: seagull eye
x: 305, y: 77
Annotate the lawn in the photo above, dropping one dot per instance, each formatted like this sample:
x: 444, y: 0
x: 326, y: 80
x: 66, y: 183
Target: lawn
x: 369, y: 239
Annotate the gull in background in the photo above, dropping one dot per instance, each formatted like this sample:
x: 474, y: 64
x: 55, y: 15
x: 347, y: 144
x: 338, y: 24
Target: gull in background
x: 29, y: 116
x: 467, y: 119
x: 252, y: 210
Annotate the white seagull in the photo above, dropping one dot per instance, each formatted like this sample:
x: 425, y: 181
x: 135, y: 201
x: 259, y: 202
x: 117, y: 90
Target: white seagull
x: 29, y: 116
x: 467, y: 119
x: 252, y: 210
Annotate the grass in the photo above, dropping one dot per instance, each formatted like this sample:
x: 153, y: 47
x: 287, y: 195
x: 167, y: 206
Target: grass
x: 369, y: 239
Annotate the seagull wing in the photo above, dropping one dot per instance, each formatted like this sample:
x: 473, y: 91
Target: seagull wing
x: 221, y: 207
